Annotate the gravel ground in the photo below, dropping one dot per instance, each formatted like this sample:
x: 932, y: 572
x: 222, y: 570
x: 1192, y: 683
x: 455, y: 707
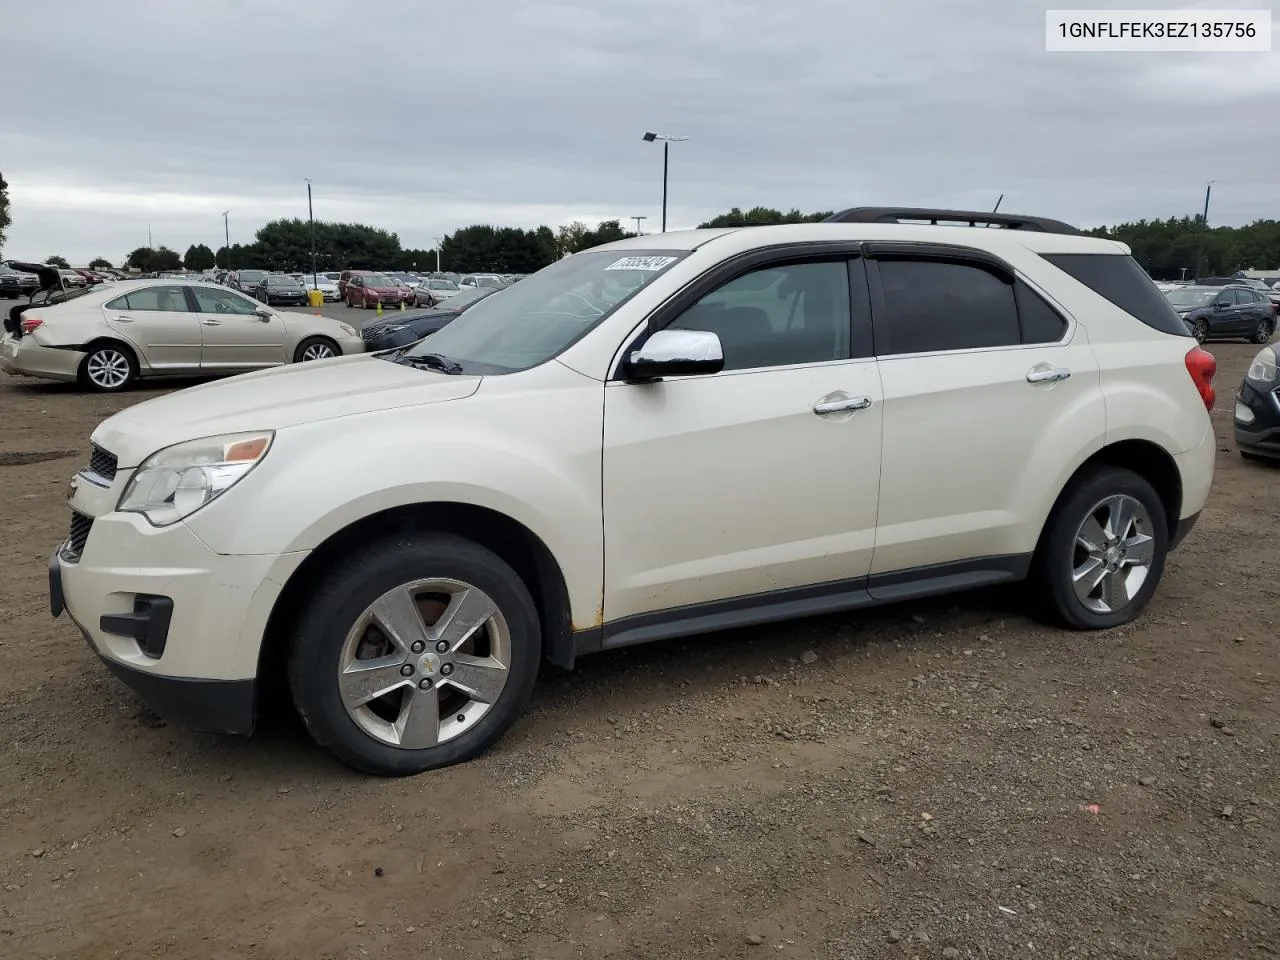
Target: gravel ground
x: 942, y: 779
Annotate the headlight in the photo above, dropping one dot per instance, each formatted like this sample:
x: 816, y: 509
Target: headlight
x: 177, y: 481
x: 1263, y: 368
x: 349, y: 330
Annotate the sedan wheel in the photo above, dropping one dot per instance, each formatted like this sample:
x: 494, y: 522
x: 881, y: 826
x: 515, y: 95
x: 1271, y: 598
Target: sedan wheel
x: 314, y: 348
x: 108, y: 368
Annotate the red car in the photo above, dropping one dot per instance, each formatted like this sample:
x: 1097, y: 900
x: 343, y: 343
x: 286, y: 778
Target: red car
x: 367, y: 290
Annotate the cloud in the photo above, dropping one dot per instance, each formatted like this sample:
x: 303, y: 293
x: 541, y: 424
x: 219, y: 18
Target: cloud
x: 422, y: 118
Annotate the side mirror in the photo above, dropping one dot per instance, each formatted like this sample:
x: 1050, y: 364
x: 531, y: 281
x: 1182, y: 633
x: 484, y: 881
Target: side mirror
x: 262, y: 313
x: 676, y: 353
x: 1220, y: 304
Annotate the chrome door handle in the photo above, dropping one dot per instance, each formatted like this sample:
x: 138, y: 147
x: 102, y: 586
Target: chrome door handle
x: 841, y: 406
x: 212, y: 323
x: 124, y: 319
x: 1048, y: 374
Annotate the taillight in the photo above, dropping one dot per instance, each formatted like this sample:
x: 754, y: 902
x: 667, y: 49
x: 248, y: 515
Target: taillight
x: 29, y: 324
x: 1203, y: 367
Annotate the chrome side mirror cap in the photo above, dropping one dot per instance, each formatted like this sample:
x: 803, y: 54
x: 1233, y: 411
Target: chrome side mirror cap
x: 676, y: 353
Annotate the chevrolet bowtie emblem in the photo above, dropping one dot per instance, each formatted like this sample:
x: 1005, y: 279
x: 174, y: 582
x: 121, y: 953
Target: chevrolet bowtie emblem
x: 73, y: 487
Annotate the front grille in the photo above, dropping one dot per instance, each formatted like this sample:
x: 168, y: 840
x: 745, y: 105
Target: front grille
x: 102, y: 463
x: 78, y: 537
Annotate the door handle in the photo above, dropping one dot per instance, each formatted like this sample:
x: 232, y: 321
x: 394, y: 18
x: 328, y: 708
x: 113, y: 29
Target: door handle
x: 1048, y: 374
x: 124, y: 319
x: 212, y: 323
x: 841, y: 406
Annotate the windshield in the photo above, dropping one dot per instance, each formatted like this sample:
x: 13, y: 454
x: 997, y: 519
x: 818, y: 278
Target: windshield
x: 282, y: 281
x: 530, y: 322
x: 442, y: 285
x: 1190, y: 297
x: 377, y: 281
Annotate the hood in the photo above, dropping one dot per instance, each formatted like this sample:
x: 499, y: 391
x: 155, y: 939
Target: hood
x: 409, y: 316
x: 273, y: 400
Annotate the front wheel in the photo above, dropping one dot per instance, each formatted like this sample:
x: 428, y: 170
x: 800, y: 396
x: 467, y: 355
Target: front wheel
x: 108, y: 368
x: 315, y: 348
x: 1262, y: 333
x: 416, y: 653
x: 1103, y: 550
x: 1200, y: 330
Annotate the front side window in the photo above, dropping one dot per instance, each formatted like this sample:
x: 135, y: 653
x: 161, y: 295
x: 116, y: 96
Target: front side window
x: 521, y: 326
x: 212, y: 300
x: 787, y: 314
x: 935, y: 305
x: 167, y: 299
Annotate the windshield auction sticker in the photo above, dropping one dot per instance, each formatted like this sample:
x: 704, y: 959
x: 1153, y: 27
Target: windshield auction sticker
x: 641, y: 263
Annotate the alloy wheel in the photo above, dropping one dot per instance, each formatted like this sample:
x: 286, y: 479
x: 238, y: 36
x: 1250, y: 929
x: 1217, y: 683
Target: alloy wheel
x: 424, y: 663
x: 1114, y: 551
x: 107, y: 368
x: 318, y: 351
x: 1200, y: 331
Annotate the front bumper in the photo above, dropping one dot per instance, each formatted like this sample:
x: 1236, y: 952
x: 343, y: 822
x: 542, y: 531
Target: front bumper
x: 1259, y: 436
x: 27, y: 358
x: 179, y: 623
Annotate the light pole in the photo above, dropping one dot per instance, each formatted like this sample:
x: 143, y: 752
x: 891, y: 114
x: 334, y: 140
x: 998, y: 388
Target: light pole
x: 226, y: 226
x: 650, y: 137
x: 437, y: 240
x: 311, y: 218
x: 637, y: 220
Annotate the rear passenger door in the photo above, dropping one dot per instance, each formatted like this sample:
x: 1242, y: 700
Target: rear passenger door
x: 161, y: 322
x: 989, y: 395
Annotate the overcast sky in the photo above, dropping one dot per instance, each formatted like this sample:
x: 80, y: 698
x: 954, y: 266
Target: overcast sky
x: 422, y: 117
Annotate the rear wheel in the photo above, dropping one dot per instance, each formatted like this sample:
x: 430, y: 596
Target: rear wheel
x: 1200, y: 330
x: 108, y: 367
x: 1103, y: 550
x: 1262, y: 333
x: 419, y: 652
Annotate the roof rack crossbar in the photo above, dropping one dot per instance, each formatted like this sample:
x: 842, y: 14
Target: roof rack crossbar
x: 972, y: 218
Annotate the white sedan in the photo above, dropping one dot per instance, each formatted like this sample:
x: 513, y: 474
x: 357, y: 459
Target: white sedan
x: 328, y: 288
x: 112, y: 336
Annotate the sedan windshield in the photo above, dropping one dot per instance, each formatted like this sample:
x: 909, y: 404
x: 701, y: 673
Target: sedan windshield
x: 530, y: 322
x: 1190, y: 296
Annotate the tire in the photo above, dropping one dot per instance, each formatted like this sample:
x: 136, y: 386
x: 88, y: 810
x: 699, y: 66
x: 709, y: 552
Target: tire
x: 1262, y: 333
x: 325, y: 639
x: 1200, y: 330
x: 108, y: 367
x: 315, y: 346
x: 1060, y: 553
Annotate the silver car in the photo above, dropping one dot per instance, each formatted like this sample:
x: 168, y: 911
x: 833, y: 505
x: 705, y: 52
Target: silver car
x: 110, y: 336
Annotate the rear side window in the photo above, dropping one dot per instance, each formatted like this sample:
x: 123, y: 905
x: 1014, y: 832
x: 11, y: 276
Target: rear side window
x: 932, y: 305
x: 1119, y: 279
x: 1040, y: 322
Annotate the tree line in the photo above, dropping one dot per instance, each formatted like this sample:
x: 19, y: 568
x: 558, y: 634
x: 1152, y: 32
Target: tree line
x: 1166, y: 248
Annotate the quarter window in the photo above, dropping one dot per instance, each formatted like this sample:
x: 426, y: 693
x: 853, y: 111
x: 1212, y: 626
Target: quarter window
x: 936, y: 305
x: 795, y: 313
x: 1040, y: 322
x: 165, y: 299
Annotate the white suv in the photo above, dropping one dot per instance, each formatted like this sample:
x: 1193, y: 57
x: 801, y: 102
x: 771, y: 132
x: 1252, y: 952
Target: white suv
x: 666, y: 435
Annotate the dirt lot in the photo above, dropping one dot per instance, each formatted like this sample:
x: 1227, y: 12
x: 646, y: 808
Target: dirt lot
x: 913, y: 782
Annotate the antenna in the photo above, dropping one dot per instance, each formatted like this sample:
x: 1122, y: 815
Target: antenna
x: 996, y: 208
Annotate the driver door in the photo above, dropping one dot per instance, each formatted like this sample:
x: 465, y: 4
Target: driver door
x: 236, y: 333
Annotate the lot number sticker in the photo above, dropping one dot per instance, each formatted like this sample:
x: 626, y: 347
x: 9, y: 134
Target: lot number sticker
x: 641, y: 263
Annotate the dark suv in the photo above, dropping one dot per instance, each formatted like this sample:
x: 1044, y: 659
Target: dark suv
x: 15, y: 283
x: 1233, y: 311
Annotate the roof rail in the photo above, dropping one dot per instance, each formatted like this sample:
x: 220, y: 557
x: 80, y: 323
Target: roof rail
x: 972, y: 218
